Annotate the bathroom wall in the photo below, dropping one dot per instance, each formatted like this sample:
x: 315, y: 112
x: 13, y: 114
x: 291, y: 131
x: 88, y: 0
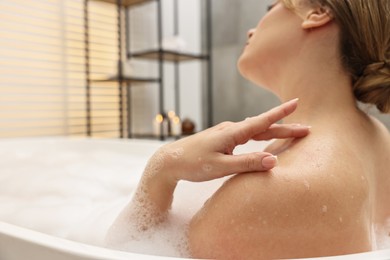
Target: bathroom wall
x: 234, y: 97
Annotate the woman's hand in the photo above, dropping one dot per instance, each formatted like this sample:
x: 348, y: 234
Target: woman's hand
x: 208, y: 154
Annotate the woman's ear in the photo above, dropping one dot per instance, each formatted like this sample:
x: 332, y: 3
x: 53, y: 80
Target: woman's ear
x: 316, y: 18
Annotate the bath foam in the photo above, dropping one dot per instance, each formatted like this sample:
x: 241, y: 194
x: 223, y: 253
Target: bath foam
x: 383, y: 236
x: 137, y: 230
x: 165, y: 239
x: 67, y: 188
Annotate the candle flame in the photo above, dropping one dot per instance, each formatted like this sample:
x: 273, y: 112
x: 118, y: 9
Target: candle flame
x: 176, y: 120
x: 159, y: 118
x: 171, y: 114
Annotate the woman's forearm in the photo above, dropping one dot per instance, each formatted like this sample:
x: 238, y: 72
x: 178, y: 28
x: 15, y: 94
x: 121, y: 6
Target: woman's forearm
x: 154, y: 195
x: 156, y: 192
x: 150, y: 203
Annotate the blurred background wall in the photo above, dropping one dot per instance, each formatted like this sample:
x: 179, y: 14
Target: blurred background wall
x: 235, y: 98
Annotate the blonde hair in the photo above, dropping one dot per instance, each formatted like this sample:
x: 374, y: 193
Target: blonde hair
x: 364, y: 46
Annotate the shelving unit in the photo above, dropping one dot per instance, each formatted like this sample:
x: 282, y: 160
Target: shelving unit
x: 159, y: 55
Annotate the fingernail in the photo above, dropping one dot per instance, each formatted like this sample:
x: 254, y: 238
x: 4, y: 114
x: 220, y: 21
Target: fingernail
x: 269, y: 161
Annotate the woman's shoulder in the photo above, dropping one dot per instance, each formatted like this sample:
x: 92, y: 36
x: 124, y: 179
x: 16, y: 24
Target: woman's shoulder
x: 308, y: 195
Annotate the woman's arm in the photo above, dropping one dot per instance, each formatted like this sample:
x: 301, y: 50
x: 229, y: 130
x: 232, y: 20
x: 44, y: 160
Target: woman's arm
x: 205, y: 156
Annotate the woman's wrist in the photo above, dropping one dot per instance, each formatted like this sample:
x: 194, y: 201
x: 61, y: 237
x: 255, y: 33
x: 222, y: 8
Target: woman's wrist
x: 158, y: 182
x: 158, y: 190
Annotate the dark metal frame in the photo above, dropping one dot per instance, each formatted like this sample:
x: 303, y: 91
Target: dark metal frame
x: 160, y: 63
x: 120, y: 66
x: 128, y: 85
x: 87, y: 71
x: 210, y: 94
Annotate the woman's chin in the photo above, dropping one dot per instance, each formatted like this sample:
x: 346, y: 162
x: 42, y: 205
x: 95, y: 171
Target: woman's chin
x: 244, y: 68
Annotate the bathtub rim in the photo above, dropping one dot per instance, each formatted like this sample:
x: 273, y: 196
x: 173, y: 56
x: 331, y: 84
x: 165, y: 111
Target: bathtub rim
x: 74, y: 248
x: 65, y: 246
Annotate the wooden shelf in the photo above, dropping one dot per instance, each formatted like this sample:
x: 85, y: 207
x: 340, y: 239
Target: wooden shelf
x: 135, y: 80
x: 125, y: 3
x: 166, y: 55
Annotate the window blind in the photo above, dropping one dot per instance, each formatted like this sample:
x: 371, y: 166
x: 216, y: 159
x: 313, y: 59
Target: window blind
x: 44, y: 89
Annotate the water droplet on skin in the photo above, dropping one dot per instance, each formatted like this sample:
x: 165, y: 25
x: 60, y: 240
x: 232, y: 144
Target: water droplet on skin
x: 363, y: 178
x: 324, y: 209
x: 340, y: 219
x: 207, y: 168
x: 176, y: 154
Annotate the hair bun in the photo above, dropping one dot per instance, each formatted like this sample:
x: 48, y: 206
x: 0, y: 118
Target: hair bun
x: 373, y: 87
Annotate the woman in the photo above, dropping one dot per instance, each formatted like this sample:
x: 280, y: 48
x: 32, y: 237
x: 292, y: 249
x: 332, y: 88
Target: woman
x: 329, y: 191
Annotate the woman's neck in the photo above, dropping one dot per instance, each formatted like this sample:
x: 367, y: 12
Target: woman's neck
x: 324, y: 93
x: 314, y: 73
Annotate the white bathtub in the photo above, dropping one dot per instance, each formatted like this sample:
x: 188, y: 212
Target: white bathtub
x: 58, y: 196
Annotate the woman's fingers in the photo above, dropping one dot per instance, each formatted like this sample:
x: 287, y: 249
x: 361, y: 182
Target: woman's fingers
x: 252, y: 162
x: 251, y: 127
x: 279, y: 112
x: 283, y: 131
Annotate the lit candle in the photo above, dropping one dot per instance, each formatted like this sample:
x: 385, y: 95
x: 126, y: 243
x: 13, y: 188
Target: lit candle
x: 171, y: 115
x: 157, y: 123
x: 160, y: 126
x: 176, y: 126
x: 165, y: 127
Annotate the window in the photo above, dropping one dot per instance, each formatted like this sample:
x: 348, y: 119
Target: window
x: 43, y: 76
